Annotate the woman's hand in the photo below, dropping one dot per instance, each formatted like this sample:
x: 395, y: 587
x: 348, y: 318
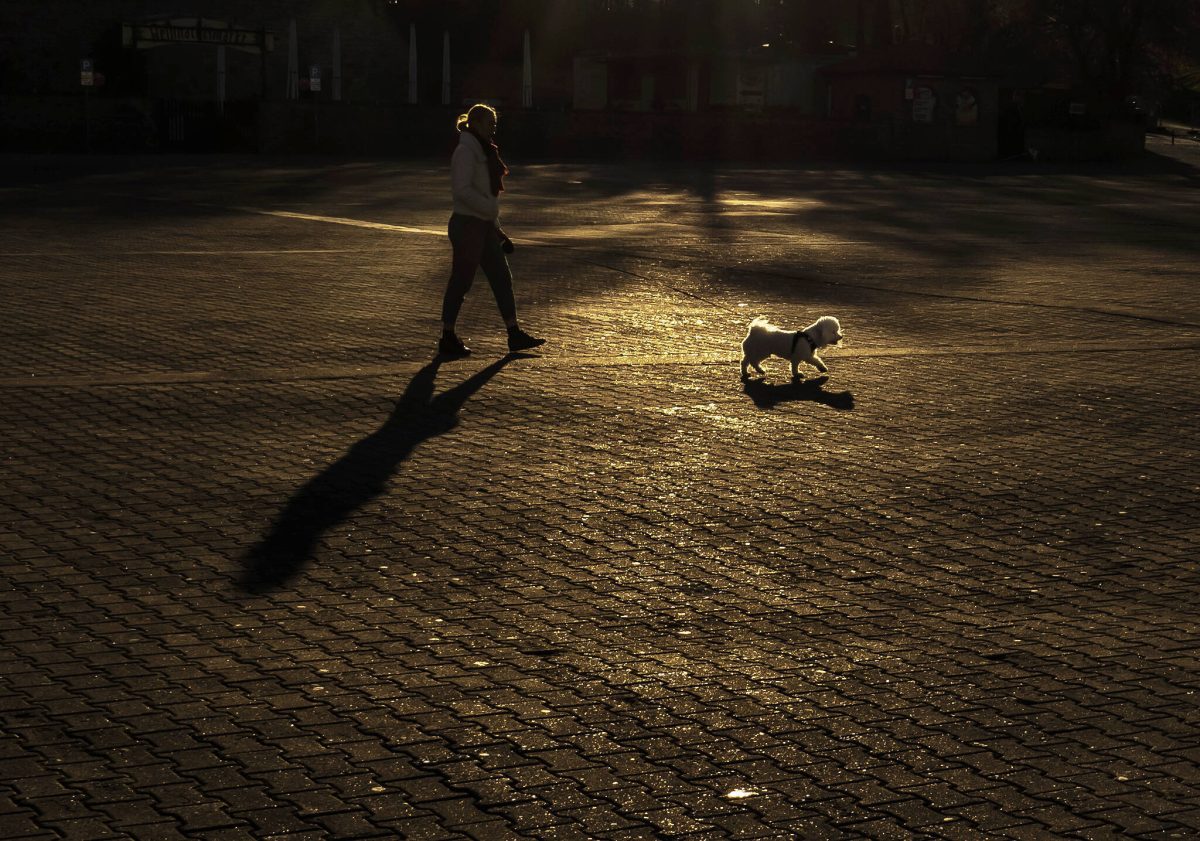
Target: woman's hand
x: 506, y: 244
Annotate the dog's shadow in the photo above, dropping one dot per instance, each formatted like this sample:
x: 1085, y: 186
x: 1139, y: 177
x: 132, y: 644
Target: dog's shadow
x: 767, y: 395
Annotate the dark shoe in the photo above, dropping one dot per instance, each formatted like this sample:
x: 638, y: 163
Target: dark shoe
x: 520, y: 340
x: 452, y: 345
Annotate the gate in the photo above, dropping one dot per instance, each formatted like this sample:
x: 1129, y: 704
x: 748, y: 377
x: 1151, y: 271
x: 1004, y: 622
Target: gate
x: 204, y: 126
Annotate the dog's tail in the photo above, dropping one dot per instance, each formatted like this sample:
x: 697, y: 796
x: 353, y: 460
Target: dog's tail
x: 762, y: 319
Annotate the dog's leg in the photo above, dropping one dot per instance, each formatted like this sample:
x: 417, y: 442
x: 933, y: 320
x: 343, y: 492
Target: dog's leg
x: 819, y: 365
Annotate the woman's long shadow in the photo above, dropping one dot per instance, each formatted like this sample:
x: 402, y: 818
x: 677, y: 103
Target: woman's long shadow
x: 768, y: 395
x: 357, y: 477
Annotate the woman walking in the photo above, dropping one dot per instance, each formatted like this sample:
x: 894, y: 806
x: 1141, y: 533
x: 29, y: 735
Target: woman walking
x: 477, y: 177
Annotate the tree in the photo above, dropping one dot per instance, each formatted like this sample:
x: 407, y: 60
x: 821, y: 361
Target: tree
x: 1117, y: 48
x: 954, y: 24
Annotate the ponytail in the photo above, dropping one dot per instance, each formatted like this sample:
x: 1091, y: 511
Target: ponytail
x: 463, y: 119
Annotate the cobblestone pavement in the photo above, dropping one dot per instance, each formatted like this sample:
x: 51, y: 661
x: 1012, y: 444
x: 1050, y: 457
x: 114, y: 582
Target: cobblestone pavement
x: 270, y: 571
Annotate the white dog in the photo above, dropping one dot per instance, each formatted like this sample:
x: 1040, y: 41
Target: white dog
x: 765, y: 339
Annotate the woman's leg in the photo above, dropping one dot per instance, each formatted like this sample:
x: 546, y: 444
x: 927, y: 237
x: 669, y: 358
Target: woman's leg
x: 495, y: 268
x: 467, y: 236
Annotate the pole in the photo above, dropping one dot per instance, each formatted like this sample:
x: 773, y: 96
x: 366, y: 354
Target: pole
x: 446, y: 67
x: 87, y: 79
x: 337, y: 65
x: 221, y: 79
x: 412, y: 64
x: 527, y: 77
x: 293, y: 80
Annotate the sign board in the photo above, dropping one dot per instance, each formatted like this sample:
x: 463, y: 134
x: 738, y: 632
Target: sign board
x: 87, y: 77
x: 158, y: 33
x: 314, y: 78
x: 923, y: 105
x: 1077, y: 109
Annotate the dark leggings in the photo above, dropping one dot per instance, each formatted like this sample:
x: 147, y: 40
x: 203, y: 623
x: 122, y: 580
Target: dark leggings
x: 476, y: 246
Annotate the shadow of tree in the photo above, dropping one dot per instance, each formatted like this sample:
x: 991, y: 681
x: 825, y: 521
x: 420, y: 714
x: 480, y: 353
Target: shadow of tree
x: 357, y: 477
x: 769, y: 395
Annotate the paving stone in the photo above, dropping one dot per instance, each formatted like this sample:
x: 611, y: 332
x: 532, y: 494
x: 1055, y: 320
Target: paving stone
x: 349, y: 825
x: 85, y: 829
x: 272, y: 572
x: 272, y: 819
x: 24, y: 826
x: 158, y: 831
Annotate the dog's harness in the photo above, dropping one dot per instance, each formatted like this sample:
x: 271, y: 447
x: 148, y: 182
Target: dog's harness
x: 812, y: 346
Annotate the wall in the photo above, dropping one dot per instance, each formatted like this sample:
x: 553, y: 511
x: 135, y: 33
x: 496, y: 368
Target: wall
x: 890, y: 129
x: 1111, y: 142
x: 76, y: 123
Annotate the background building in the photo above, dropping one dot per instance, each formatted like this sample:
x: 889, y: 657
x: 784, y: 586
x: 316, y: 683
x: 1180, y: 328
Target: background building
x: 691, y: 78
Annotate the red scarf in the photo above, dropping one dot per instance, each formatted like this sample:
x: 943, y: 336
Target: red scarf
x: 496, y: 168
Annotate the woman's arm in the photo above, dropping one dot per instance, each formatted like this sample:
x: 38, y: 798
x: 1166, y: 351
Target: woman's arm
x: 466, y: 193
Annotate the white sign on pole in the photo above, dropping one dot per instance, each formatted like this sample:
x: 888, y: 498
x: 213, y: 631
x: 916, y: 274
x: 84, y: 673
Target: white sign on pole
x: 314, y: 78
x: 86, y: 77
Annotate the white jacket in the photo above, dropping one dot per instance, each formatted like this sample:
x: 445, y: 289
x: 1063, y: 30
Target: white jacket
x: 469, y: 178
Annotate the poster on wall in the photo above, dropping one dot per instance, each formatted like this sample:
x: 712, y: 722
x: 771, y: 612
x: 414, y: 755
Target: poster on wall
x: 751, y: 87
x: 924, y: 104
x: 966, y: 107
